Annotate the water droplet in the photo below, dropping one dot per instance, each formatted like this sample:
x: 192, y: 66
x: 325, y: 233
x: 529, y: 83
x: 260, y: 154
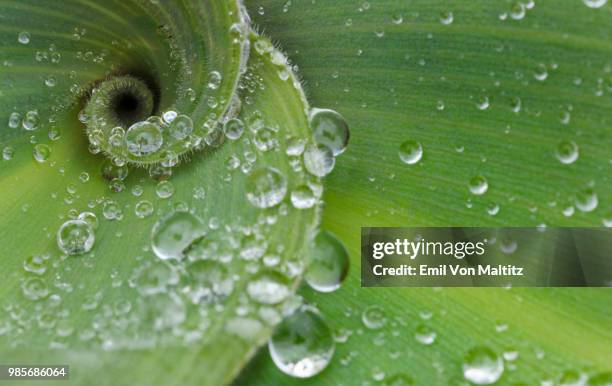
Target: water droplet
x: 541, y: 72
x: 180, y: 127
x: 425, y: 335
x: 328, y: 263
x: 410, y: 152
x: 233, y: 128
x: 302, y: 345
x: 169, y: 116
x: 482, y: 366
x: 482, y: 103
x: 266, y: 187
x: 23, y: 37
x: 567, y: 152
x: 35, y: 288
x: 572, y: 378
x: 90, y: 218
x: 164, y: 189
x: 329, y: 129
x: 446, y: 18
x: 41, y: 152
x: 214, y: 80
x: 374, y: 317
x: 303, y: 197
x: 31, y: 120
x: 586, y: 200
x: 7, y: 153
x: 319, y: 160
x: 143, y: 209
x: 143, y: 138
x: 594, y: 3
x: 478, y: 185
x: 173, y: 234
x: 35, y: 264
x: 75, y: 237
x: 269, y: 287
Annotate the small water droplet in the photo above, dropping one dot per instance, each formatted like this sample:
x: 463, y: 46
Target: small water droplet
x: 410, y: 152
x: 173, y: 234
x: 482, y: 366
x: 269, y: 287
x: 446, y: 18
x: 319, y: 160
x: 567, y: 152
x: 266, y: 187
x: 303, y: 197
x: 425, y: 335
x: 233, y: 128
x: 374, y: 317
x: 478, y: 185
x: 594, y: 3
x: 586, y: 200
x: 23, y: 37
x: 75, y: 237
x: 143, y: 208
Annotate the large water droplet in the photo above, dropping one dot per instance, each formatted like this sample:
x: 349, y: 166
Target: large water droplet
x: 266, y: 187
x: 482, y: 366
x: 329, y: 129
x: 173, y: 234
x: 75, y: 237
x: 328, y: 263
x: 302, y: 345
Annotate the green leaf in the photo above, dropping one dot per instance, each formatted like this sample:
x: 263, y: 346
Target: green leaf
x: 121, y: 314
x: 391, y: 90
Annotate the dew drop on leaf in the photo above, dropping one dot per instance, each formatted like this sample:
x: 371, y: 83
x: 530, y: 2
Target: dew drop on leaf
x: 303, y: 197
x: 143, y: 138
x: 327, y: 263
x: 319, y: 160
x: 269, y: 287
x: 374, y: 317
x: 567, y: 152
x: 41, y: 152
x: 329, y: 129
x: 425, y: 334
x: 478, y: 185
x: 266, y: 187
x: 75, y: 237
x: 302, y: 345
x: 173, y: 234
x: 410, y: 152
x: 482, y: 366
